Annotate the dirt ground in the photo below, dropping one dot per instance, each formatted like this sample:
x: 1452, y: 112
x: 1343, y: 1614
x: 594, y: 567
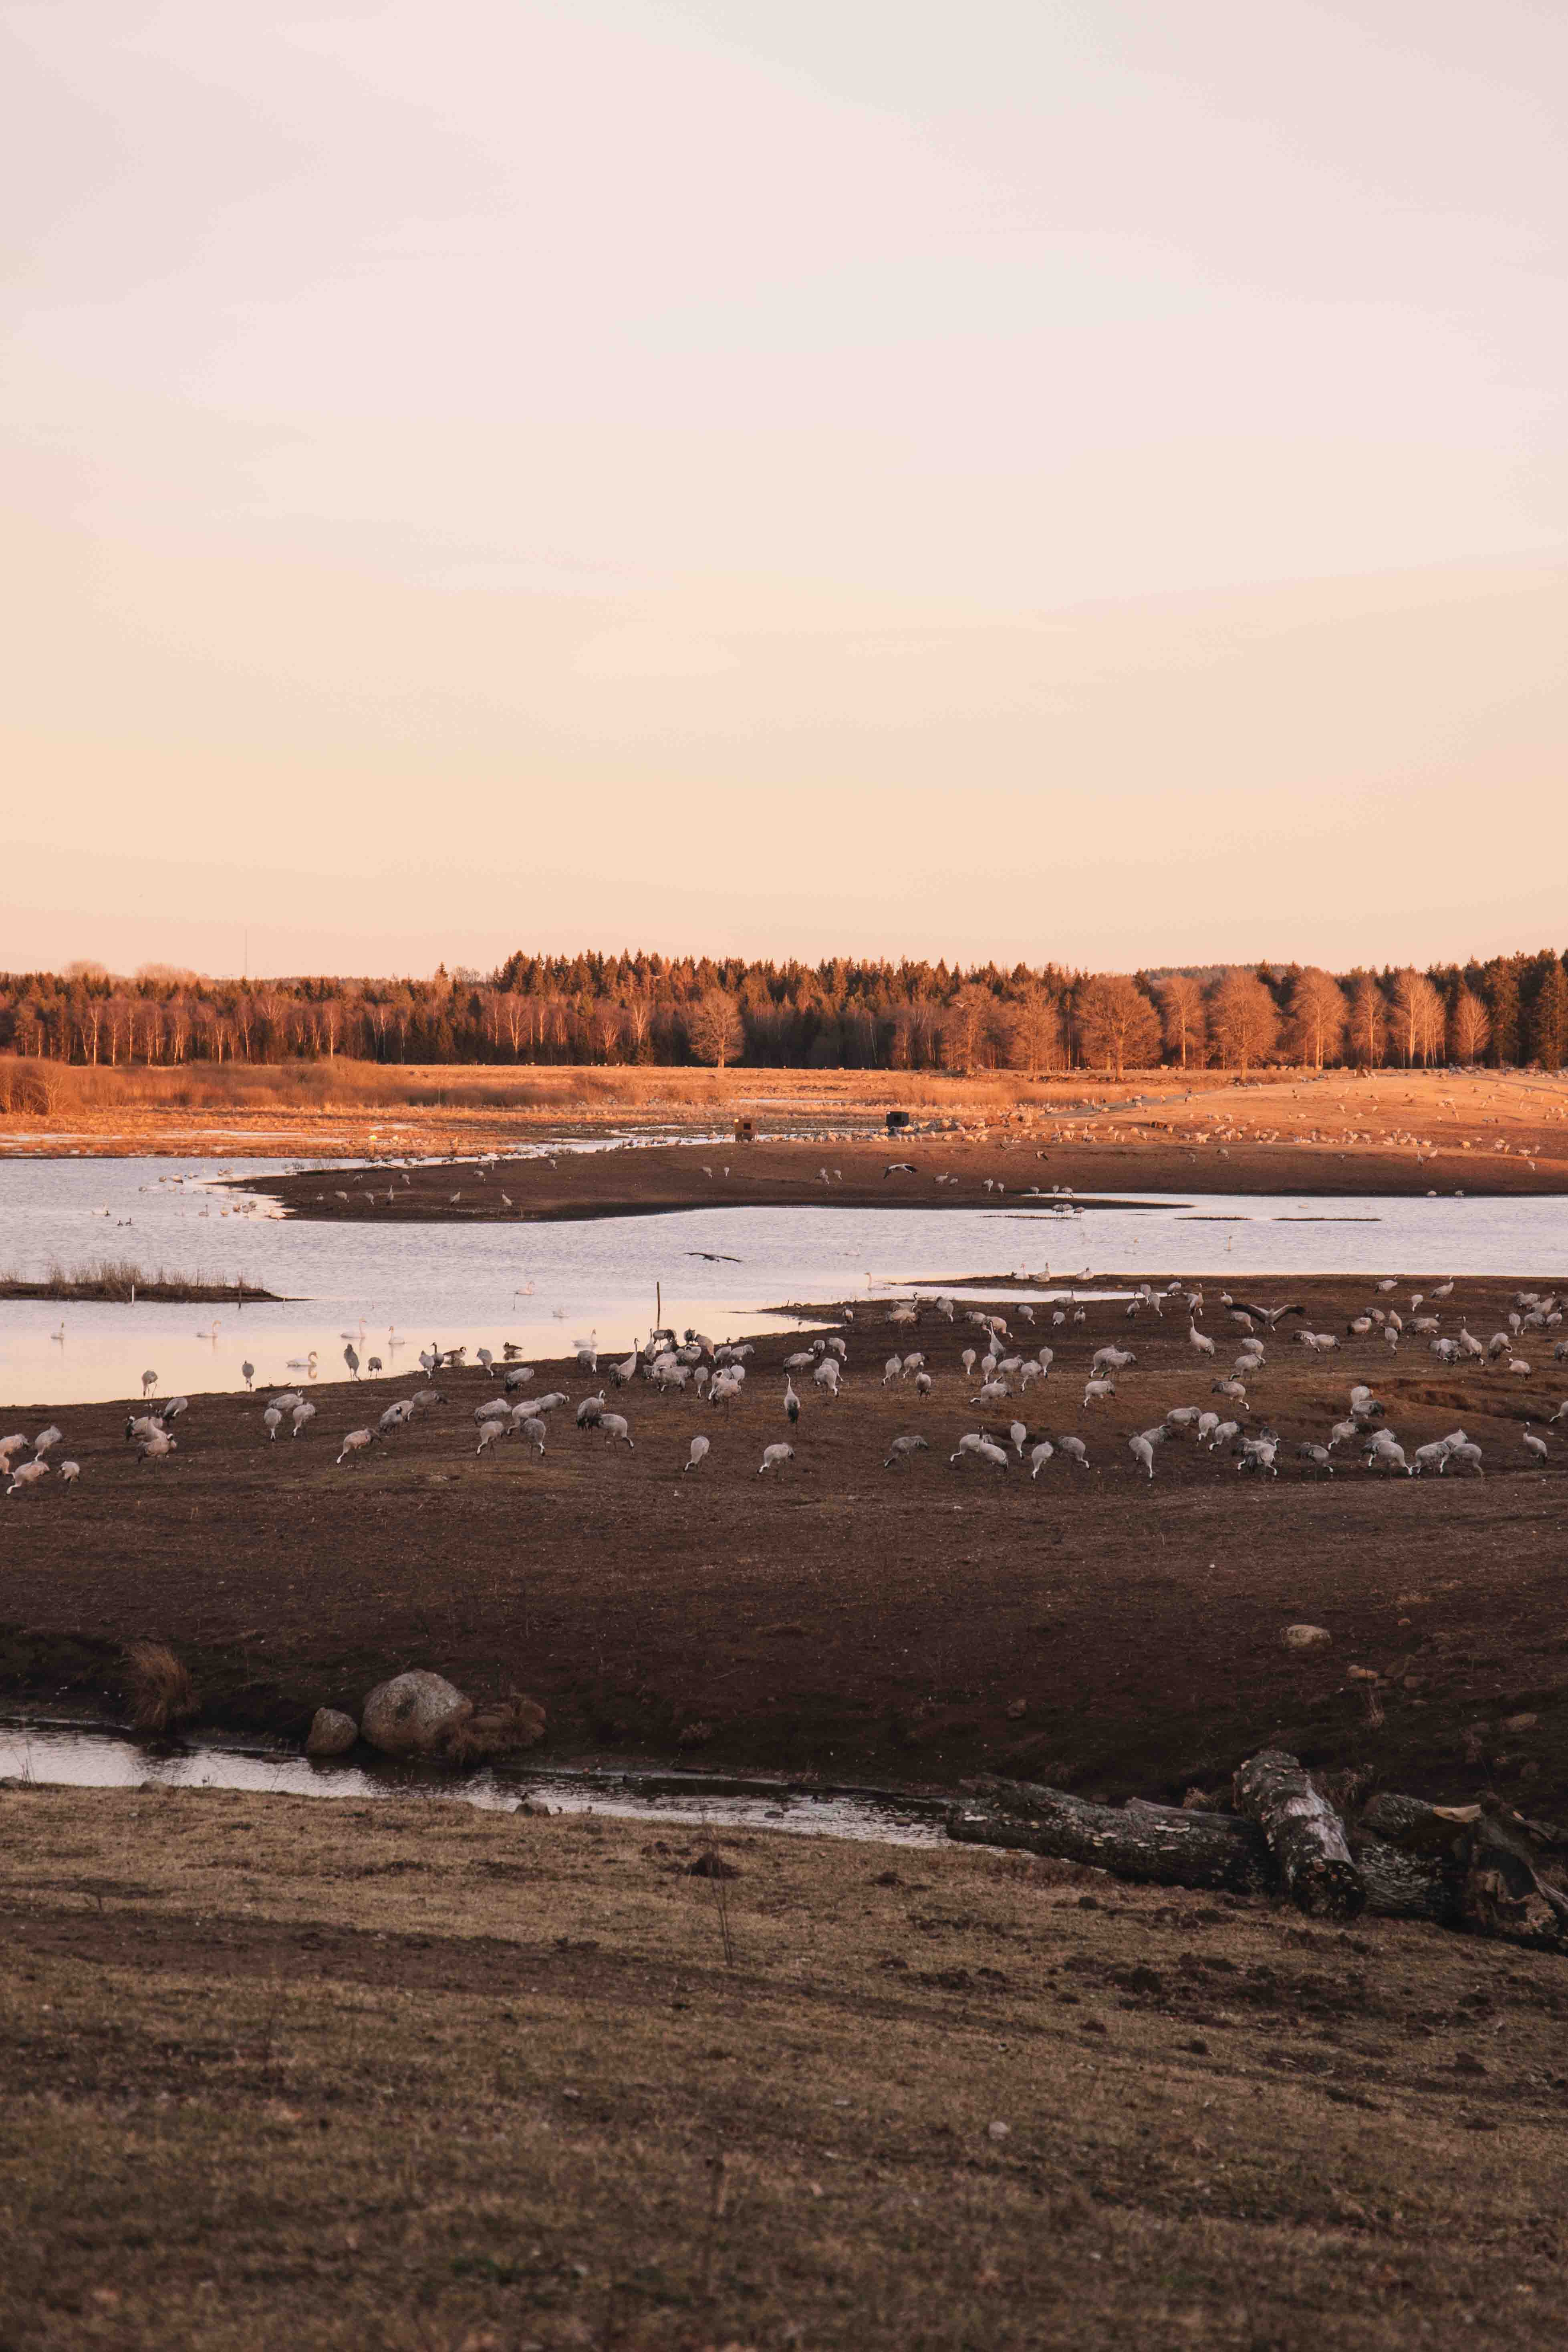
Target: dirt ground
x: 1167, y: 1129
x: 1396, y: 1133
x: 837, y: 1618
x: 295, y: 2072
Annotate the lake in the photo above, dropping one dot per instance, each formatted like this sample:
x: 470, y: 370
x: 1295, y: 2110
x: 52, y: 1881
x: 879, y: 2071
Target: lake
x: 395, y: 1288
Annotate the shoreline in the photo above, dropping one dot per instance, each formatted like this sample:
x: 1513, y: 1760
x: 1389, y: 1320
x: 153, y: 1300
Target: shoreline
x: 1020, y: 1178
x: 910, y: 1625
x: 1322, y: 1134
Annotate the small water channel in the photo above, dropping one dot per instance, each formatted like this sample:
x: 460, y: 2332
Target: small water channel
x: 75, y: 1756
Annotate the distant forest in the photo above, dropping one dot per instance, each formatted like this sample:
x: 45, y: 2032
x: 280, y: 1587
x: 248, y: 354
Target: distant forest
x: 1512, y: 1010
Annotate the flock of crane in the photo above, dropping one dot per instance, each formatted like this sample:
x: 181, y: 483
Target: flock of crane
x: 1007, y: 1370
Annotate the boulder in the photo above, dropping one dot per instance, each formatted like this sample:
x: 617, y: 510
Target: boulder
x: 332, y: 1732
x: 1306, y: 1637
x: 407, y: 1715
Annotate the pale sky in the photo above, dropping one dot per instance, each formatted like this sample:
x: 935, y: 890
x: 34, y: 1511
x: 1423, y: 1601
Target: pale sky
x: 1046, y: 478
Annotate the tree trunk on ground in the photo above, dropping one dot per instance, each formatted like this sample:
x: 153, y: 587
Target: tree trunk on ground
x: 1485, y: 1863
x: 1164, y: 1846
x: 1502, y: 1895
x: 1401, y: 1885
x: 1305, y: 1834
x: 1157, y: 1843
x: 1438, y: 1831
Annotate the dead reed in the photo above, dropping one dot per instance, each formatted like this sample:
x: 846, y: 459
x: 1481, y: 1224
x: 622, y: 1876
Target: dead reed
x: 477, y: 1735
x: 119, y: 1281
x: 162, y: 1692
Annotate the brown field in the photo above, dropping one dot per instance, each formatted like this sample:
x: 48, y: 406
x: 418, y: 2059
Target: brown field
x: 282, y: 2072
x: 1145, y: 1129
x: 842, y: 1619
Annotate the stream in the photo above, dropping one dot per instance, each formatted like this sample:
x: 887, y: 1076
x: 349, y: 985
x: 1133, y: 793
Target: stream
x: 61, y: 1755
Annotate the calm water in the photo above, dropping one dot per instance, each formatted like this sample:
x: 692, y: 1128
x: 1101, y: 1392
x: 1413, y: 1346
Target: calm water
x: 62, y: 1757
x: 547, y: 1285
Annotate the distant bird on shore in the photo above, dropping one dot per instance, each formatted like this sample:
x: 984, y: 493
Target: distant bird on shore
x: 698, y: 1454
x: 247, y: 1373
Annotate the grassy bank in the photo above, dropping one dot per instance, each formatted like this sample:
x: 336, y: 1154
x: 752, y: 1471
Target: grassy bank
x: 122, y: 1281
x: 419, y: 2076
x: 58, y: 1089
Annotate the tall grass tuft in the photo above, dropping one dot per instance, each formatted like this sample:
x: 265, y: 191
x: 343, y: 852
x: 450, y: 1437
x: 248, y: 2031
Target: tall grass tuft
x: 116, y: 1281
x: 162, y: 1691
x: 474, y: 1735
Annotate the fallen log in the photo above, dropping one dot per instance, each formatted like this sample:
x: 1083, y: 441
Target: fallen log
x: 1305, y: 1834
x: 1503, y: 1896
x: 1163, y: 1845
x: 1485, y: 1862
x: 1158, y: 1844
x: 1438, y: 1831
x: 1401, y: 1885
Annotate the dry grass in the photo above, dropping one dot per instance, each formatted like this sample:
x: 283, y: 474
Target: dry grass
x: 279, y: 2071
x: 60, y: 1089
x: 119, y: 1281
x: 161, y: 1690
x: 477, y: 1734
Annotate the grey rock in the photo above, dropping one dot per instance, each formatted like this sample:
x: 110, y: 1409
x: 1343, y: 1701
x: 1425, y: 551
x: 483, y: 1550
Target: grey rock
x: 1306, y: 1637
x: 406, y: 1715
x: 332, y: 1733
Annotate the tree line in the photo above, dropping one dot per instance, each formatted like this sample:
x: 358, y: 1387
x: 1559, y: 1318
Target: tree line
x: 842, y: 1013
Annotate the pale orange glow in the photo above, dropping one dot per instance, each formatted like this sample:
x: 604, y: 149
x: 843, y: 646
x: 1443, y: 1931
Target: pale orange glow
x: 781, y: 479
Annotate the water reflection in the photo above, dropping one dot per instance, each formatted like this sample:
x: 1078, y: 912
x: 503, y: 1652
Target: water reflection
x: 388, y: 1291
x: 59, y: 1756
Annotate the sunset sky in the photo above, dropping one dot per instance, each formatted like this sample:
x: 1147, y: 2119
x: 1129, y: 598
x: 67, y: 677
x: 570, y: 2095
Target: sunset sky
x: 1050, y: 478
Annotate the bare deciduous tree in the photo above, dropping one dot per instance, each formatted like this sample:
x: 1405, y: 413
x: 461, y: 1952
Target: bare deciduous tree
x: 1243, y: 1020
x: 1117, y: 1023
x: 1369, y: 1021
x: 1417, y: 1016
x: 967, y: 1029
x: 1318, y: 1015
x: 713, y: 1025
x: 1034, y: 1033
x: 1469, y: 1027
x: 1185, y: 1021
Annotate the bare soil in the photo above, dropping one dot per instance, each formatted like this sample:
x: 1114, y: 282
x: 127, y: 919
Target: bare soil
x: 1396, y: 1133
x: 292, y: 2071
x: 841, y: 1619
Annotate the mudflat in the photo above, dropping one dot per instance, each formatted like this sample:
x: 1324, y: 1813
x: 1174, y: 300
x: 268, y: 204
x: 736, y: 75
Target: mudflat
x: 920, y: 1623
x: 1397, y: 1133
